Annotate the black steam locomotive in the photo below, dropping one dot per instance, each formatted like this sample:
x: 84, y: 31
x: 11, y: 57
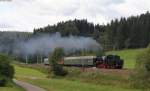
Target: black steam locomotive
x: 109, y: 62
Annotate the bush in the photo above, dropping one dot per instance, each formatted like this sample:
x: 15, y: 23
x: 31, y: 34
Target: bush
x: 6, y: 70
x: 2, y: 81
x: 54, y: 60
x: 141, y: 77
x: 59, y: 71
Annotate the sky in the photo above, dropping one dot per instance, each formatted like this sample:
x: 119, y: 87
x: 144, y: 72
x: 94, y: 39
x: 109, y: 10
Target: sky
x: 25, y: 15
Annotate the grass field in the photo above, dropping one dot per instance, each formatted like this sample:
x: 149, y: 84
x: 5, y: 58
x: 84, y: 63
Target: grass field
x: 23, y: 72
x: 68, y: 84
x: 129, y: 56
x: 13, y: 87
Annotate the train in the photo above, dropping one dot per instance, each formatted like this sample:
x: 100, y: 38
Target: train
x: 107, y: 62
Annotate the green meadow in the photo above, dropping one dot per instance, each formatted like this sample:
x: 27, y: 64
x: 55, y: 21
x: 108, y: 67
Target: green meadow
x: 78, y: 81
x: 11, y: 87
x: 129, y: 56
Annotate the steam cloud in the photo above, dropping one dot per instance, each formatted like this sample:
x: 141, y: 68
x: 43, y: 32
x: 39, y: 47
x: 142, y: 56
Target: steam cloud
x: 46, y: 44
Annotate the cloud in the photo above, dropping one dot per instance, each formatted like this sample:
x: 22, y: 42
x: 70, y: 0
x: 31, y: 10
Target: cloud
x: 25, y: 15
x: 133, y: 7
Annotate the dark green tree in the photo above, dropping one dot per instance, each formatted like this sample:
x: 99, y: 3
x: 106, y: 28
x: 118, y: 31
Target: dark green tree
x: 55, y: 60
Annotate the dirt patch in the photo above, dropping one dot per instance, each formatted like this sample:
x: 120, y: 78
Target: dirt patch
x: 119, y: 72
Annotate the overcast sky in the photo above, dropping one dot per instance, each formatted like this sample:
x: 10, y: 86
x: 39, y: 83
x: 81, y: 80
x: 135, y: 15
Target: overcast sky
x: 25, y: 15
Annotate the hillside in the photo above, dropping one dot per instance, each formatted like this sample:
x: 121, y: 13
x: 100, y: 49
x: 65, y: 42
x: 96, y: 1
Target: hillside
x: 129, y: 56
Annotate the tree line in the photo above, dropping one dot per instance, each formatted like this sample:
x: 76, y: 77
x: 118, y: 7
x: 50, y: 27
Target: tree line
x: 131, y: 32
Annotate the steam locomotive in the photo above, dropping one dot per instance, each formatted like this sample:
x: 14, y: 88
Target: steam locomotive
x: 108, y: 62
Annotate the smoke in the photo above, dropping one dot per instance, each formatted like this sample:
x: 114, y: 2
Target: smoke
x: 46, y: 44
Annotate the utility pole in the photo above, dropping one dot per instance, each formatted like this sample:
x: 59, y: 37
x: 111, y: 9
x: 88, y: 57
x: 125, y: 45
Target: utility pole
x: 37, y: 59
x: 41, y: 59
x: 26, y: 59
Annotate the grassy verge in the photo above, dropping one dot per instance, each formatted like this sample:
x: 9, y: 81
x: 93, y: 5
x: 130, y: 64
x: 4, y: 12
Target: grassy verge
x: 101, y: 77
x: 24, y: 72
x: 129, y: 56
x: 67, y: 85
x: 75, y: 81
x: 11, y: 87
x: 40, y: 67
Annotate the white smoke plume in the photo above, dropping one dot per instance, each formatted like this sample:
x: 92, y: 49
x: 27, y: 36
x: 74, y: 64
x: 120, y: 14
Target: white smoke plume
x: 46, y: 44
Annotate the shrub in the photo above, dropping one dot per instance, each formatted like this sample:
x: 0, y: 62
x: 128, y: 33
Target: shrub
x: 59, y: 71
x: 54, y: 59
x: 141, y: 77
x: 3, y: 81
x: 6, y: 70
